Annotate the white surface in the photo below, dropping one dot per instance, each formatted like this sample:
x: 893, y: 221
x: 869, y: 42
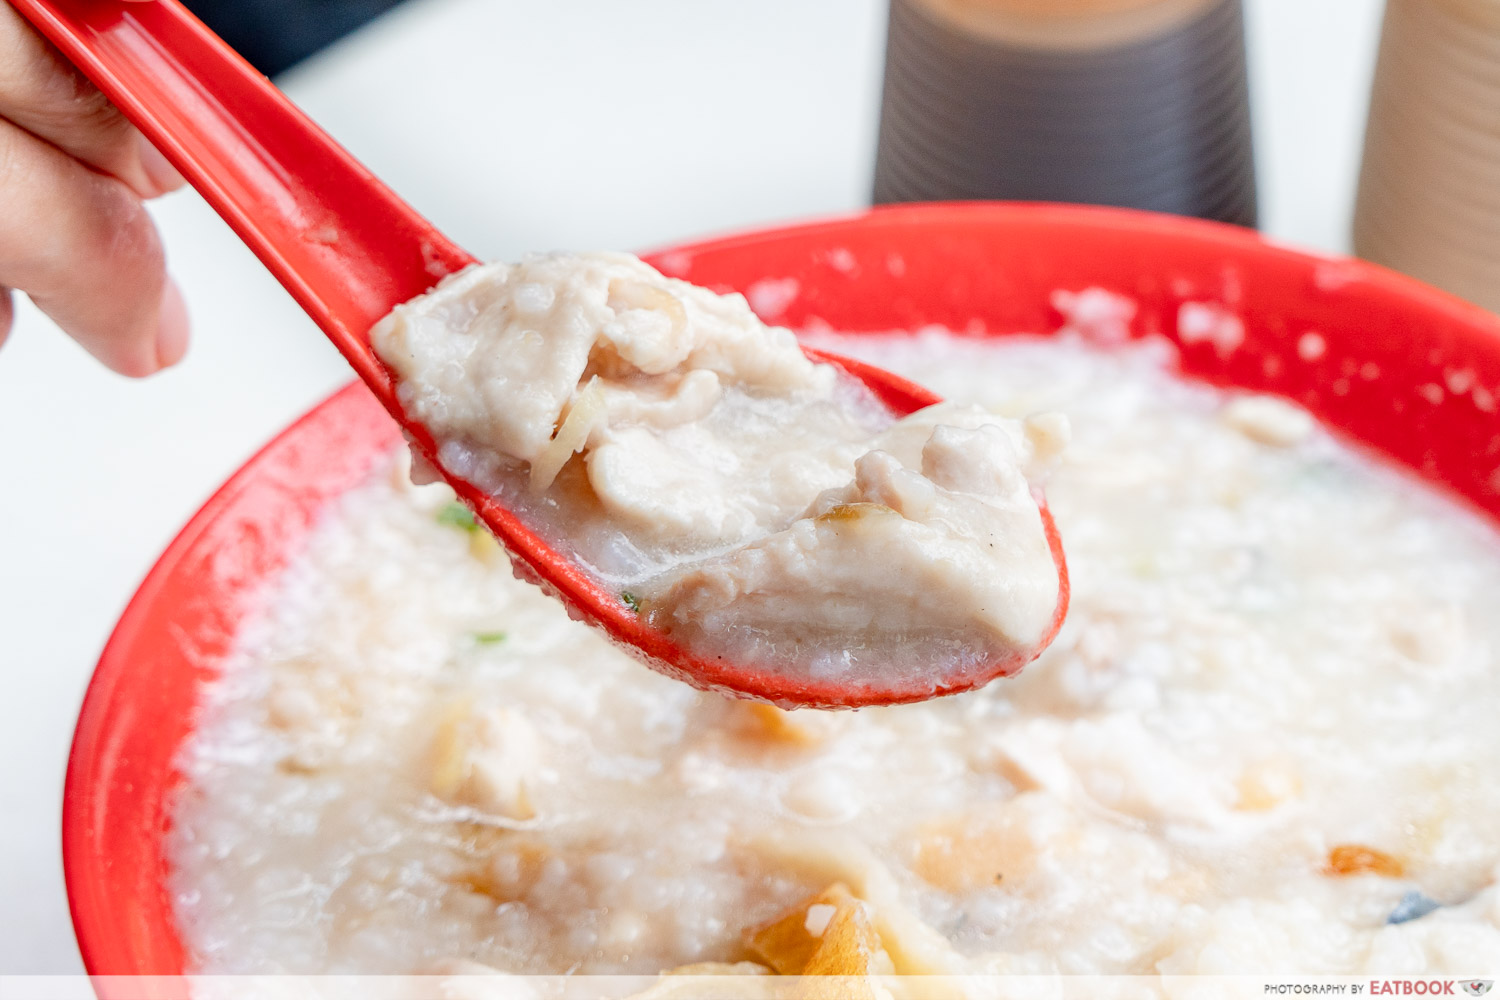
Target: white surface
x: 513, y: 125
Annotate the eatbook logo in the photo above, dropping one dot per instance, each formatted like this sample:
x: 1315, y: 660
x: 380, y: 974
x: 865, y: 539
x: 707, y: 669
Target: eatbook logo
x: 1477, y: 987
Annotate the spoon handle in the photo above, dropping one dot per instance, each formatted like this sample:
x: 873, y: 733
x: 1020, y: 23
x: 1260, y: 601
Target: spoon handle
x: 345, y: 246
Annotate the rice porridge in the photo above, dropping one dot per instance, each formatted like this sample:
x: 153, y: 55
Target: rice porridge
x: 754, y: 505
x: 1265, y: 739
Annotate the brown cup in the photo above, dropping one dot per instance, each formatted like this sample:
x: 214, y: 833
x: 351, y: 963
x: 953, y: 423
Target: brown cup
x: 1429, y: 186
x: 1141, y: 103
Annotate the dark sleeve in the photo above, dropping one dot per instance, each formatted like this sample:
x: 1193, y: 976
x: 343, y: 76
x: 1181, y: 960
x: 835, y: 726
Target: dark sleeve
x: 274, y: 34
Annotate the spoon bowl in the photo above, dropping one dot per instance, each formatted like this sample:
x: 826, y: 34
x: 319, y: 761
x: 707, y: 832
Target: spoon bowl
x: 349, y: 251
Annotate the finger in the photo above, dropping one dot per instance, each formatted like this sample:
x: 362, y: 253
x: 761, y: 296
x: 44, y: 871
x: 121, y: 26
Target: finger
x: 44, y: 94
x: 81, y: 245
x: 171, y: 326
x: 7, y: 314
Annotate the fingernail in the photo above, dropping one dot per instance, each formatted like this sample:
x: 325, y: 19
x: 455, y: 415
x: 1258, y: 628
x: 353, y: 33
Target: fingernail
x: 159, y: 171
x: 171, y: 327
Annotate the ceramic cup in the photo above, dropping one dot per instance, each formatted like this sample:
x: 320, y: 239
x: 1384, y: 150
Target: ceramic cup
x: 1137, y: 103
x: 1429, y: 187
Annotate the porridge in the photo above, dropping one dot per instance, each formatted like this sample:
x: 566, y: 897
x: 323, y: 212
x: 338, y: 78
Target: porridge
x: 1264, y: 739
x: 751, y: 503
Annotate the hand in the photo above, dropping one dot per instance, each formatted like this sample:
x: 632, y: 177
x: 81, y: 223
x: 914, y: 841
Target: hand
x: 74, y: 235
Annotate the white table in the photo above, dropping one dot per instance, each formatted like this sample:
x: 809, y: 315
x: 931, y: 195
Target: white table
x: 514, y: 125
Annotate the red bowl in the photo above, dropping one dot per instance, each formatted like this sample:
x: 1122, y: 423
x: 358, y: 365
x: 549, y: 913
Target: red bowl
x: 1405, y: 369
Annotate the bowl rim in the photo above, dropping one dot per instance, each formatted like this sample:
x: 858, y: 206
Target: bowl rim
x: 1103, y: 218
x: 114, y: 666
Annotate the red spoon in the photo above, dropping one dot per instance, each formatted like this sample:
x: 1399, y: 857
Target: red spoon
x: 349, y: 251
